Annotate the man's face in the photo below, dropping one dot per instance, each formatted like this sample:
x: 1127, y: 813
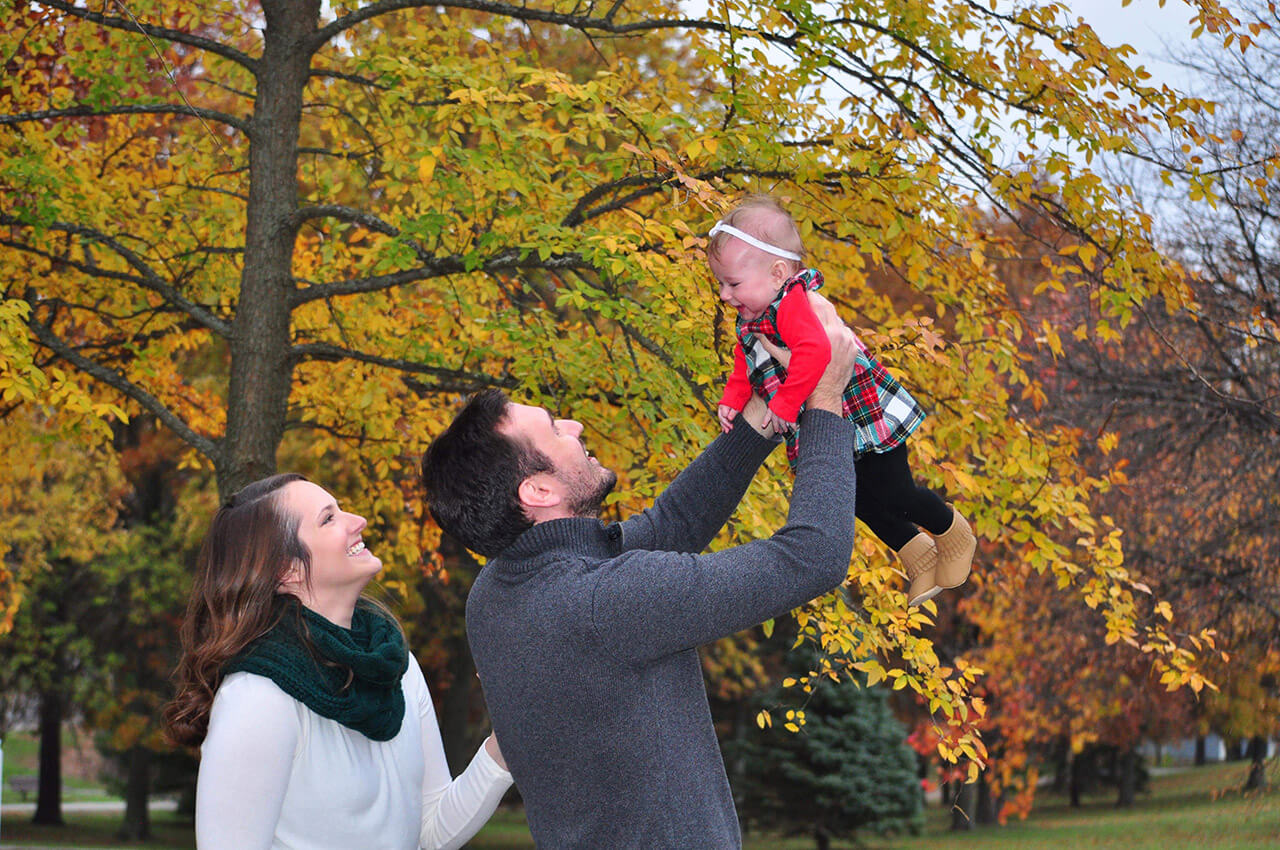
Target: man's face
x: 584, y: 481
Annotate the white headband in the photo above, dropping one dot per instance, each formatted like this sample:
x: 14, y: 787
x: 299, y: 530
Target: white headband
x: 721, y: 227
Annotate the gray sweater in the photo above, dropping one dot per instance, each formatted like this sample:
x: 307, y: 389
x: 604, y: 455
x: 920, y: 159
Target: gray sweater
x: 585, y: 637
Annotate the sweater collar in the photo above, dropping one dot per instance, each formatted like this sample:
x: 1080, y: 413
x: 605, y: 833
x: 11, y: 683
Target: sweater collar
x: 580, y: 535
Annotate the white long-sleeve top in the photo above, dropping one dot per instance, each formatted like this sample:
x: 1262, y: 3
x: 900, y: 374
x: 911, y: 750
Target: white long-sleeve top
x: 274, y: 775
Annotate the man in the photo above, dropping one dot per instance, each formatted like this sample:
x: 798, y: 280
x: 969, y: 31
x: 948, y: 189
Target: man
x: 585, y: 636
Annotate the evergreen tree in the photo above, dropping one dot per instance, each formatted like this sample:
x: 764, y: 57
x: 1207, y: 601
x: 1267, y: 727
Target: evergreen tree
x: 848, y: 768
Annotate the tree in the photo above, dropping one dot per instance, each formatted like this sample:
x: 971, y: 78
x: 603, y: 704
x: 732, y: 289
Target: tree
x: 848, y: 769
x: 1191, y: 390
x: 138, y: 611
x: 354, y: 213
x: 58, y: 508
x: 89, y: 526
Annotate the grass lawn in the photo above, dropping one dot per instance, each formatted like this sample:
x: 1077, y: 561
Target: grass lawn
x: 22, y: 756
x: 1197, y: 809
x: 1180, y: 813
x: 96, y: 829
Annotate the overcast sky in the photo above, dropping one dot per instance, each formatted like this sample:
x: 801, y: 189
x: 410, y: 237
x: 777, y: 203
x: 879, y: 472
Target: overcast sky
x: 1152, y: 30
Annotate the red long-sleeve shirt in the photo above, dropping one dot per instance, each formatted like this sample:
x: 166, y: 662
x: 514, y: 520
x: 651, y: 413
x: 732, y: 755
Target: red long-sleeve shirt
x: 804, y: 336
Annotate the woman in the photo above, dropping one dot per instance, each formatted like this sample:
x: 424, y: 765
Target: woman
x: 315, y: 722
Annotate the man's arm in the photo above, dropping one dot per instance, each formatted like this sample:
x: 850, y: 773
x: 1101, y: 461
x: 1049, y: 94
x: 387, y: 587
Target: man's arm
x: 696, y: 505
x: 690, y: 512
x: 649, y: 604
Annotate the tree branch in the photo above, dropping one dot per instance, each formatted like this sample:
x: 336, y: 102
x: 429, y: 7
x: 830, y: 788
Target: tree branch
x: 453, y: 380
x: 128, y: 109
x: 147, y: 279
x: 350, y: 78
x: 368, y: 221
x: 45, y: 335
x: 510, y: 259
x: 584, y: 23
x: 579, y: 212
x: 179, y: 36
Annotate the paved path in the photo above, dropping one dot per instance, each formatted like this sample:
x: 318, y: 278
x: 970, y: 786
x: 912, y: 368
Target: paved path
x: 19, y: 810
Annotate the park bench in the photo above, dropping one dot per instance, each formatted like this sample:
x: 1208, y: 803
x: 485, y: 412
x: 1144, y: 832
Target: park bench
x: 25, y: 784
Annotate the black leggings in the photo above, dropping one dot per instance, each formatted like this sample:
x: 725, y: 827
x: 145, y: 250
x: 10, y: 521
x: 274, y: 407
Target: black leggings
x: 891, y: 503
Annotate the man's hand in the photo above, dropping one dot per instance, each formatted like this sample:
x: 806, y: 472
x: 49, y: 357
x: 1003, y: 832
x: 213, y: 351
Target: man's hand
x: 829, y: 393
x: 826, y: 315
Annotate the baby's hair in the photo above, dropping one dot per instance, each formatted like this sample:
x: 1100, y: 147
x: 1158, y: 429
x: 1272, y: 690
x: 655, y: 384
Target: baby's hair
x: 764, y: 218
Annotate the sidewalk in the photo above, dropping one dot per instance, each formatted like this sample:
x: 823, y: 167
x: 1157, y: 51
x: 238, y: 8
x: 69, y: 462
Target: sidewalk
x: 19, y: 810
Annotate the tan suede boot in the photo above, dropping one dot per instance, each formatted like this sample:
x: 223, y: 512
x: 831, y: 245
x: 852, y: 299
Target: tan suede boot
x: 920, y: 557
x: 956, y: 546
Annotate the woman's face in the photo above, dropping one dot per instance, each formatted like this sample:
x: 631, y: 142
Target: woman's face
x: 340, y: 563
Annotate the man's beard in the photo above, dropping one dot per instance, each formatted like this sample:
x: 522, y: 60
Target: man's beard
x: 588, y: 494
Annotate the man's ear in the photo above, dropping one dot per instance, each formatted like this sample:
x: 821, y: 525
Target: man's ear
x: 539, y: 491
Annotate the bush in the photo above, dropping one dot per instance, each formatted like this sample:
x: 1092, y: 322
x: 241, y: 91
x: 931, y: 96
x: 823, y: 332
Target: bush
x: 847, y: 769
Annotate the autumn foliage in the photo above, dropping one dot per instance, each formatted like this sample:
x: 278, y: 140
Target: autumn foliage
x: 298, y: 234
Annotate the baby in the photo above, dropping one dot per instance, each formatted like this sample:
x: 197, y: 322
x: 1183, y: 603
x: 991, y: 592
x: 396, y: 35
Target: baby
x: 756, y: 255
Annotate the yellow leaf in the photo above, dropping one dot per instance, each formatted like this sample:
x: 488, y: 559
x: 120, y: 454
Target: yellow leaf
x: 426, y: 167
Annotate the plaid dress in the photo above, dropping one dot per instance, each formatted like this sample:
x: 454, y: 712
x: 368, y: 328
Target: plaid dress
x: 883, y: 413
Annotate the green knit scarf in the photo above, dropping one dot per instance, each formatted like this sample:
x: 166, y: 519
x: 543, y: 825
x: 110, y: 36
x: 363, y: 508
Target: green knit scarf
x: 373, y: 649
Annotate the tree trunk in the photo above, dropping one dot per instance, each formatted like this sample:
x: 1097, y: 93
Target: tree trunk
x: 987, y: 808
x: 455, y: 707
x: 1200, y: 751
x: 49, y: 788
x: 261, y: 357
x: 446, y: 603
x: 1126, y: 778
x: 962, y: 809
x: 822, y: 838
x: 1062, y: 766
x: 1076, y: 781
x: 137, y: 818
x: 1257, y: 780
x: 737, y: 767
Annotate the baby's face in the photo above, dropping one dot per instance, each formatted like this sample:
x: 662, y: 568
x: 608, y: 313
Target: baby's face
x: 749, y: 278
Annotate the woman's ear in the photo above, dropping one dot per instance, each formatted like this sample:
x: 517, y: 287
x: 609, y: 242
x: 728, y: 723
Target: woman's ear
x: 293, y: 579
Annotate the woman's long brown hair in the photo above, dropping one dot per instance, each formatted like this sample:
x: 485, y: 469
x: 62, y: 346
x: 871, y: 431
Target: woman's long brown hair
x: 251, y: 542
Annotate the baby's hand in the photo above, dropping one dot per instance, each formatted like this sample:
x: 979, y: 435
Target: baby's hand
x: 777, y: 423
x: 726, y: 415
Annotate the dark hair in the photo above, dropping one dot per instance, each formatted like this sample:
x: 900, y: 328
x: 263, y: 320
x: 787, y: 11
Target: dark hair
x: 234, y: 600
x: 471, y: 475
